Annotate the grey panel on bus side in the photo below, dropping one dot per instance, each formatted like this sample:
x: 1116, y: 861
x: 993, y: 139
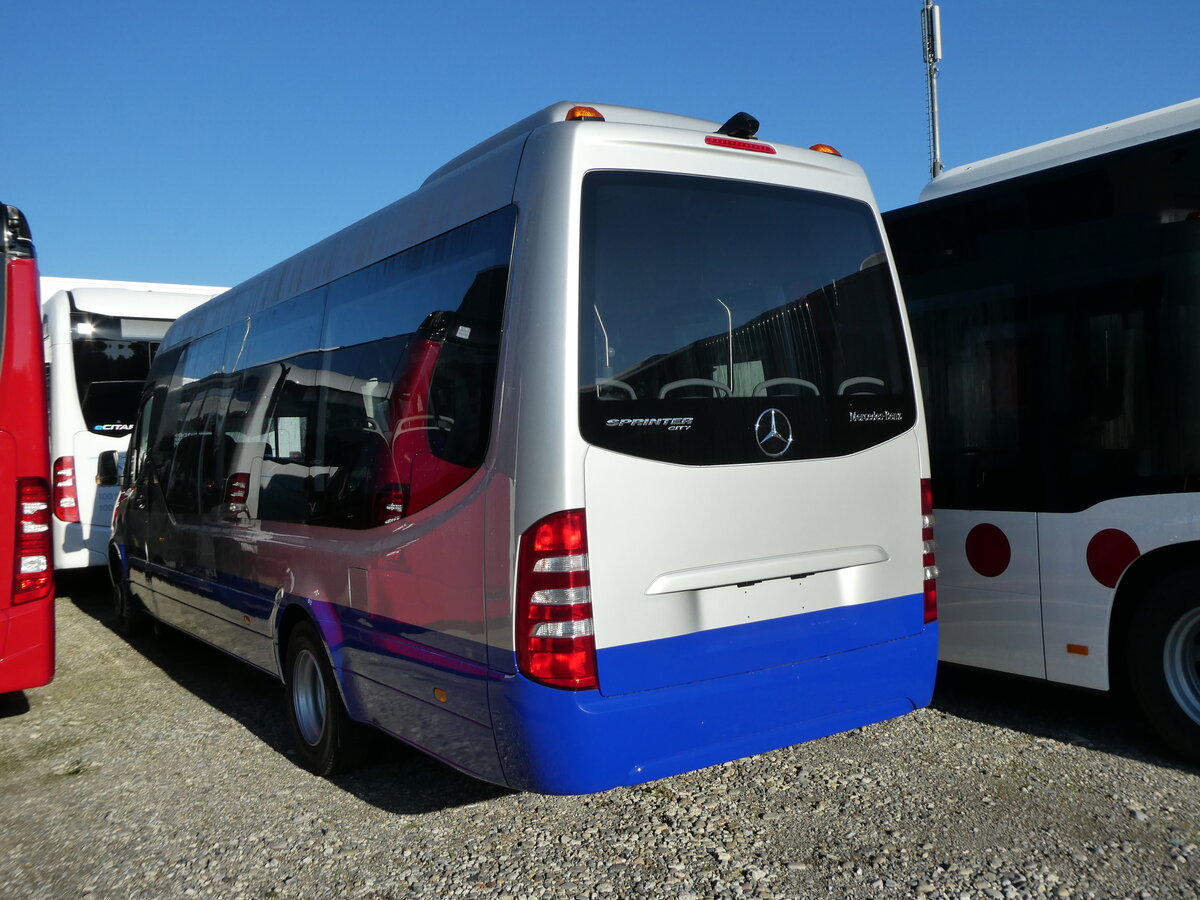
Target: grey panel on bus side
x: 480, y: 187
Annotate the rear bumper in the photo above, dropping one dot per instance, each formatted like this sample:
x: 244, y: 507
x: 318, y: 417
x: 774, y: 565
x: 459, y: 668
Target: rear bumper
x: 27, y: 645
x: 559, y: 742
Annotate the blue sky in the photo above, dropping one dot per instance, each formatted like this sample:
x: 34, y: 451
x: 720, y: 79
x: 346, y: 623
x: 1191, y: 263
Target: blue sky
x: 160, y: 140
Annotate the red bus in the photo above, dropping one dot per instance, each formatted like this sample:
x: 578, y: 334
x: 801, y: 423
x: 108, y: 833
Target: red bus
x: 27, y: 596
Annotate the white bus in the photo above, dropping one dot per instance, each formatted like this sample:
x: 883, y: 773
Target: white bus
x: 99, y: 338
x: 597, y: 459
x: 1055, y: 299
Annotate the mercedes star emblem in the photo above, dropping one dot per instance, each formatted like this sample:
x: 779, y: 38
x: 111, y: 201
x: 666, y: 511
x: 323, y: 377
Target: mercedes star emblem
x: 773, y: 432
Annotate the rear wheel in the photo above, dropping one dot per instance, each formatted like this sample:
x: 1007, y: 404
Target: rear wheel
x: 1164, y: 660
x: 327, y: 740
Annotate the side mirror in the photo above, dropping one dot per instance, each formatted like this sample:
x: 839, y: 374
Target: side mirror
x: 108, y: 472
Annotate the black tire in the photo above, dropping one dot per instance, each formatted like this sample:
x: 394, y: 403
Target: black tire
x: 131, y: 619
x: 1164, y: 660
x: 327, y: 740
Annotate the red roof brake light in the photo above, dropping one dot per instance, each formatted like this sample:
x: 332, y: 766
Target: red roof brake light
x: 735, y: 144
x: 738, y: 134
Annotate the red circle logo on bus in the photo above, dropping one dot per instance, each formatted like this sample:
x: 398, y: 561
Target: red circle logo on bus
x: 988, y: 550
x: 1109, y: 554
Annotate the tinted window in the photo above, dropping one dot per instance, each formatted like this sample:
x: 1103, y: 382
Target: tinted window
x: 278, y: 332
x: 109, y: 406
x: 1055, y: 340
x: 112, y: 358
x: 358, y: 434
x: 139, y: 445
x: 183, y: 425
x: 706, y: 302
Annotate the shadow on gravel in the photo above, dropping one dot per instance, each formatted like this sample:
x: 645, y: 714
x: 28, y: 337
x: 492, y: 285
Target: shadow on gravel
x: 14, y: 703
x: 1098, y: 721
x: 402, y: 780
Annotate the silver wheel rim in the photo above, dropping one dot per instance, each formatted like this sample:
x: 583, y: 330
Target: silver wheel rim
x: 308, y: 697
x: 1181, y: 663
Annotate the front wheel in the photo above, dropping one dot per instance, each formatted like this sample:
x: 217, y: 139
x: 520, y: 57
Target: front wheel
x: 1164, y: 661
x: 327, y: 740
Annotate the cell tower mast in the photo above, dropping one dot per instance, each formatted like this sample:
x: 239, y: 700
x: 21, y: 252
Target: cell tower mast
x: 931, y: 38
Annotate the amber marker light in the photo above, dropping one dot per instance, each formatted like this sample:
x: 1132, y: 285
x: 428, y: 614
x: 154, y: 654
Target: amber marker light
x: 576, y: 113
x: 825, y: 148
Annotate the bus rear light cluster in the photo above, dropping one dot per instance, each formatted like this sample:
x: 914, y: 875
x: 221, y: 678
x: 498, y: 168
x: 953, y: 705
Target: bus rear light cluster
x: 66, y: 500
x: 31, y: 576
x: 928, y: 550
x: 555, y: 640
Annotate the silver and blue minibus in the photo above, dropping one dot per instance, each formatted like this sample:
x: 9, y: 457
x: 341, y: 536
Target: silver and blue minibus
x: 597, y: 459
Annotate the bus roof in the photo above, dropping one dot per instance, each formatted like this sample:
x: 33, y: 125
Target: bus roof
x: 470, y: 185
x: 1160, y: 123
x: 557, y: 112
x: 123, y: 302
x: 52, y: 284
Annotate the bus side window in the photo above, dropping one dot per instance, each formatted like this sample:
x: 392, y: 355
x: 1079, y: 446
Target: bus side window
x: 294, y: 476
x: 139, y: 445
x: 444, y: 416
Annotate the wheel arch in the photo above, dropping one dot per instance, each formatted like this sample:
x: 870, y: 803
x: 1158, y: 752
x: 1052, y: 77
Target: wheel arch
x: 295, y: 615
x: 1135, y: 584
x: 115, y: 562
x: 292, y: 615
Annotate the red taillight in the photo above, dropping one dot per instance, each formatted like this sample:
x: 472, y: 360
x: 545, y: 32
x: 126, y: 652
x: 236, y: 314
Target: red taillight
x: 929, y: 545
x: 555, y: 644
x: 31, y: 575
x: 565, y: 532
x: 66, y: 500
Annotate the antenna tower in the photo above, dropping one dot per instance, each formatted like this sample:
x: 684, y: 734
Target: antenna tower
x: 931, y: 39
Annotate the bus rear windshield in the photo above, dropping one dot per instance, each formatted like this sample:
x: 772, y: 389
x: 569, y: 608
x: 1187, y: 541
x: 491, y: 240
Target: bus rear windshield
x: 112, y: 358
x: 704, y: 303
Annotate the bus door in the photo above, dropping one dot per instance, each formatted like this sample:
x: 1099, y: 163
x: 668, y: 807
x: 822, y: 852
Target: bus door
x: 981, y: 388
x: 1108, y: 433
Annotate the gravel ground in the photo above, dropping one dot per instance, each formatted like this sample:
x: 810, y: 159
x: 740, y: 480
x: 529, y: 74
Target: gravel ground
x: 160, y: 768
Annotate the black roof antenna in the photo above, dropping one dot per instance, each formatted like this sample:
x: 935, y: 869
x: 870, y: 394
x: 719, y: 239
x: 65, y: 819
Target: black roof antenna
x: 740, y: 125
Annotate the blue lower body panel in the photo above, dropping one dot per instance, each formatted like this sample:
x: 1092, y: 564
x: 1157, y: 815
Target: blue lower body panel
x: 665, y: 706
x: 560, y: 742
